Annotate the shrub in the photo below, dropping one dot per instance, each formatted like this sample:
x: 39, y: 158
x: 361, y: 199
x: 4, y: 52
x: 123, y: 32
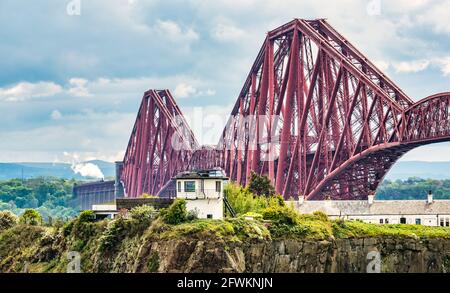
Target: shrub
x: 143, y: 213
x: 86, y: 216
x: 7, y: 220
x: 113, y: 234
x: 68, y: 227
x: 153, y: 263
x: 255, y: 216
x: 281, y: 215
x: 260, y: 185
x: 321, y: 216
x: 31, y: 217
x: 176, y: 213
x: 243, y: 201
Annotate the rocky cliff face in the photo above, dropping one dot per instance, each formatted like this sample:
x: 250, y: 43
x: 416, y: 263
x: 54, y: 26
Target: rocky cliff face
x: 103, y: 247
x: 341, y: 255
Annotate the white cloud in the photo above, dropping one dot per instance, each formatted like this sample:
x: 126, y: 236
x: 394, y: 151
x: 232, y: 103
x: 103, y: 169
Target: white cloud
x: 227, y: 32
x: 444, y: 64
x: 184, y: 90
x: 173, y: 31
x: 437, y: 16
x: 411, y: 66
x: 56, y: 115
x: 78, y: 87
x: 26, y: 90
x: 381, y: 64
x: 88, y: 170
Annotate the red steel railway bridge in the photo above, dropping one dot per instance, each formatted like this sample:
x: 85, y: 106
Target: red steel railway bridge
x: 332, y: 123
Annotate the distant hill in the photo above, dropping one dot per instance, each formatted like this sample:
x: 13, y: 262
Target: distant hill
x: 401, y: 170
x: 425, y: 170
x: 61, y: 170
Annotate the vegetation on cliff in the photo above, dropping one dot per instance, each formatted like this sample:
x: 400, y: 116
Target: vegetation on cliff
x: 130, y: 242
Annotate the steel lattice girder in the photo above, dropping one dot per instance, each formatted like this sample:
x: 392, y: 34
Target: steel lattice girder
x: 160, y: 146
x: 332, y: 123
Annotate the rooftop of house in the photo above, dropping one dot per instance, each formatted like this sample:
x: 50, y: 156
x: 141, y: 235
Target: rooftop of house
x: 377, y: 207
x: 202, y: 174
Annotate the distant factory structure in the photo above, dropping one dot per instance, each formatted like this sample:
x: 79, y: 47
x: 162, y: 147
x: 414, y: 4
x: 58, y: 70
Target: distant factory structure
x: 98, y: 192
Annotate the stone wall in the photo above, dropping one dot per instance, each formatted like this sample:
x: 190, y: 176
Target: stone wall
x: 129, y: 203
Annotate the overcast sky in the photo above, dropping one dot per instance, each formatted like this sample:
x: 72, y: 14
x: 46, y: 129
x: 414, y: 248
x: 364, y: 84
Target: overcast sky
x: 70, y: 85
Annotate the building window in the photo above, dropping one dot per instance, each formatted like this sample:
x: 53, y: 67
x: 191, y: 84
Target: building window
x: 418, y: 221
x: 209, y: 216
x: 447, y: 222
x: 442, y: 222
x: 179, y: 186
x: 402, y: 220
x: 381, y: 221
x: 386, y: 221
x: 189, y: 186
x: 218, y: 186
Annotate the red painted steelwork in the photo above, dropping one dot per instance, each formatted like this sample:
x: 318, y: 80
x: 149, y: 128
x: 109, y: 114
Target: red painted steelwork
x: 333, y: 124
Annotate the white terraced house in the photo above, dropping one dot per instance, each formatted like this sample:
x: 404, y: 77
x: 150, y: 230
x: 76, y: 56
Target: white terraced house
x: 427, y: 212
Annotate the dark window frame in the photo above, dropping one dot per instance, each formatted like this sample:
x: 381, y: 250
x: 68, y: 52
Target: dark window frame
x: 218, y: 186
x: 188, y: 187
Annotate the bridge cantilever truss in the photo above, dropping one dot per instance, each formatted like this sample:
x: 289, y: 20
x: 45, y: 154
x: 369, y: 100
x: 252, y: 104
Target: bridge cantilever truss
x: 328, y: 124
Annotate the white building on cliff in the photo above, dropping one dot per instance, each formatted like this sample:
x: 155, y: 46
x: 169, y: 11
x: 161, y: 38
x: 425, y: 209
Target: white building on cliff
x: 427, y: 212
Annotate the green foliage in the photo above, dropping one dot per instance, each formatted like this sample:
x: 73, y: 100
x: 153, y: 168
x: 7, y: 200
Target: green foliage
x: 356, y: 229
x: 83, y: 227
x: 321, y: 216
x: 153, y: 263
x: 7, y: 220
x: 67, y: 228
x: 31, y: 217
x: 281, y: 215
x: 121, y: 228
x: 176, y: 213
x: 52, y: 197
x: 86, y: 216
x: 243, y: 201
x: 260, y: 185
x: 113, y: 234
x: 143, y: 213
x: 253, y: 215
x: 247, y: 230
x: 232, y: 230
x: 413, y: 188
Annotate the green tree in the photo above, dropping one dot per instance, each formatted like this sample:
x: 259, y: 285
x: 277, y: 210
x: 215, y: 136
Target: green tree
x: 260, y: 185
x: 31, y: 217
x: 176, y: 213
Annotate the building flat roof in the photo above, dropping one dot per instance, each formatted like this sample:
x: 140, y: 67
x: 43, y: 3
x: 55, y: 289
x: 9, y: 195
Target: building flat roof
x: 202, y: 174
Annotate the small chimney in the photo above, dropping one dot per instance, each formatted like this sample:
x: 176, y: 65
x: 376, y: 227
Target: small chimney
x: 370, y: 198
x: 430, y: 197
x: 301, y: 199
